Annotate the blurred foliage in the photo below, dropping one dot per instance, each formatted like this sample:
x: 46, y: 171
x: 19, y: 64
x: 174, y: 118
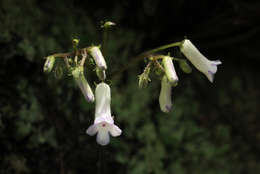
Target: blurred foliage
x: 213, y: 128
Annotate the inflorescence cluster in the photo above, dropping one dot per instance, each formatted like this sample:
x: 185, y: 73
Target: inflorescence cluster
x: 103, y: 124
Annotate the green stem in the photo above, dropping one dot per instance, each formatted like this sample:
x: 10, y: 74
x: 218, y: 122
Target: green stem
x: 144, y: 55
x: 84, y: 56
x: 159, y: 65
x: 177, y: 59
x: 105, y: 38
x: 175, y: 44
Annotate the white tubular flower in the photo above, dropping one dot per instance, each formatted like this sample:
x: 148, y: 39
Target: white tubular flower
x: 104, y: 123
x: 98, y: 57
x: 165, y: 95
x: 170, y: 70
x: 78, y: 75
x: 207, y: 67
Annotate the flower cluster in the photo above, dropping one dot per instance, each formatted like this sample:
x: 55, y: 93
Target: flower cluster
x: 169, y: 77
x: 163, y: 65
x: 104, y: 123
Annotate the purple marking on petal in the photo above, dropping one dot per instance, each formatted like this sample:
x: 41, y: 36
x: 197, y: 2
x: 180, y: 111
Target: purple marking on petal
x: 88, y: 98
x: 211, y: 75
x: 168, y: 108
x: 48, y: 62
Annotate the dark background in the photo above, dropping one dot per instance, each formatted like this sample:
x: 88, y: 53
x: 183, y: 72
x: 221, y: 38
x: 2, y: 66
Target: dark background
x: 212, y: 129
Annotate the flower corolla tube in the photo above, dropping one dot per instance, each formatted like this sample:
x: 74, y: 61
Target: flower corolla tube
x: 78, y: 75
x: 207, y: 67
x: 165, y: 100
x: 104, y: 124
x: 170, y: 70
x: 98, y: 57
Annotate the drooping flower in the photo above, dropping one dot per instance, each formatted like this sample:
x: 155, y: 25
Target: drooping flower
x: 207, y: 67
x: 49, y: 63
x: 98, y: 57
x: 78, y: 75
x: 165, y: 95
x: 104, y: 123
x: 170, y: 70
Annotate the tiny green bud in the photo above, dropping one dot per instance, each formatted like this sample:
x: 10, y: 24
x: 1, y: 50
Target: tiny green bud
x: 75, y: 42
x: 185, y: 67
x: 143, y: 81
x: 49, y: 63
x: 108, y: 24
x: 58, y: 72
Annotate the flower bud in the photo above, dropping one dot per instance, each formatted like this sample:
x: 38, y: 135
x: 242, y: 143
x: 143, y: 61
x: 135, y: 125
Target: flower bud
x: 78, y: 75
x: 75, y: 42
x: 185, y: 67
x: 170, y: 70
x: 144, y: 78
x: 49, y: 63
x: 165, y: 95
x: 98, y: 57
x: 58, y: 72
x: 108, y: 24
x: 143, y: 81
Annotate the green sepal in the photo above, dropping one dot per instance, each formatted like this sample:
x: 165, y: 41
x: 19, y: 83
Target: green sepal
x: 144, y: 77
x: 58, y: 72
x: 185, y: 67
